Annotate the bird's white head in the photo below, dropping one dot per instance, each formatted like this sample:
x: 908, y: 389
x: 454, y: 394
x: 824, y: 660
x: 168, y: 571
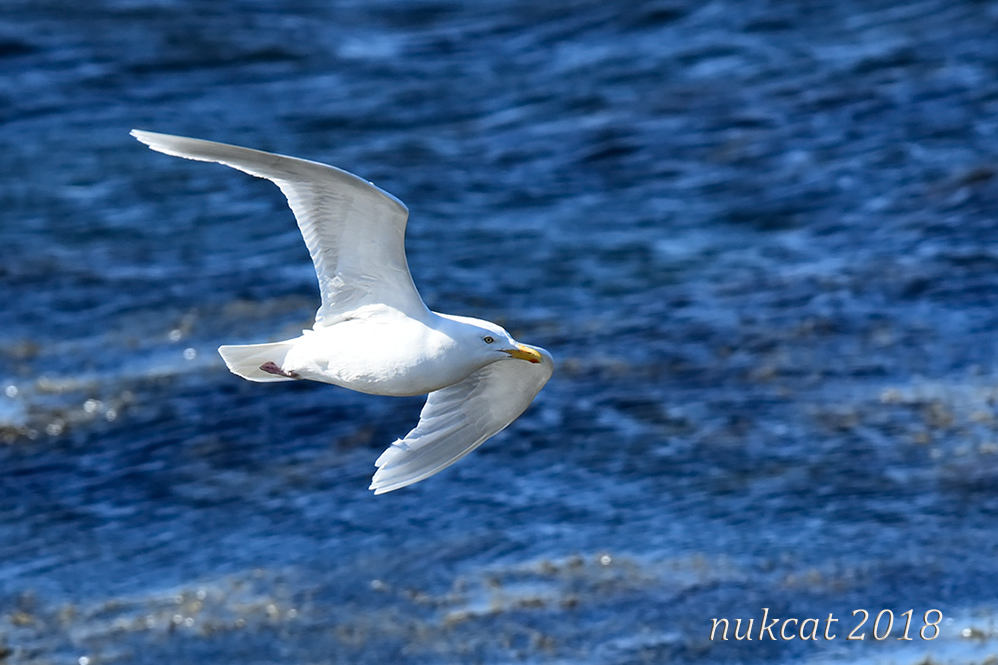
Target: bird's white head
x: 489, y: 343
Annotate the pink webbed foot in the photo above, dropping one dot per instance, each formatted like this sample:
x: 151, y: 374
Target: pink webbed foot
x: 270, y: 367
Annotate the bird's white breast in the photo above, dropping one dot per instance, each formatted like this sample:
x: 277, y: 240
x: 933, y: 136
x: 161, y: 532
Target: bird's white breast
x: 391, y: 355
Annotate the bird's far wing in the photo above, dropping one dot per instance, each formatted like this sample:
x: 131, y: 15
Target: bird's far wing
x: 354, y: 231
x: 459, y: 418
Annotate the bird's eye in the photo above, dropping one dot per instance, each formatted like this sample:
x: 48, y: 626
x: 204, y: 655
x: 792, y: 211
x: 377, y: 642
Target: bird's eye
x: 488, y: 339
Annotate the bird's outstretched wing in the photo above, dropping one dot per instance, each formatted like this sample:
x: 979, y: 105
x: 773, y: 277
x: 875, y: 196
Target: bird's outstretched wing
x: 457, y: 419
x: 354, y: 231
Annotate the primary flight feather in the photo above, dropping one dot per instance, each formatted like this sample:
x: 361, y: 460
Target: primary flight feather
x: 372, y: 332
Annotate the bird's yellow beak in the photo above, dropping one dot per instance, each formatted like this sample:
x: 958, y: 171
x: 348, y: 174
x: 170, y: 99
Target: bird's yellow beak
x: 523, y: 352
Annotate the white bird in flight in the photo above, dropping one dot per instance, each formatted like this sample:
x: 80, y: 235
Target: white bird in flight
x: 373, y: 333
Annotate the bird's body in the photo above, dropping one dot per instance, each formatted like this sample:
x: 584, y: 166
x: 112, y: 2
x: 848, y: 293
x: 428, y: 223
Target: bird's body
x: 403, y: 356
x: 326, y: 355
x: 373, y: 333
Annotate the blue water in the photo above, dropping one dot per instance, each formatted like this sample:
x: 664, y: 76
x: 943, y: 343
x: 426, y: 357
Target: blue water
x: 759, y: 238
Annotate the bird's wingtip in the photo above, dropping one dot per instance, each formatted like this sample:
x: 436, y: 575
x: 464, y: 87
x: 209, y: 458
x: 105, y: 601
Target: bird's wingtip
x: 380, y: 489
x: 380, y: 486
x: 149, y: 138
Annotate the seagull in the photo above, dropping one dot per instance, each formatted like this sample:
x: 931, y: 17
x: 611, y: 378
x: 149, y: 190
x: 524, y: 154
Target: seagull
x: 373, y: 333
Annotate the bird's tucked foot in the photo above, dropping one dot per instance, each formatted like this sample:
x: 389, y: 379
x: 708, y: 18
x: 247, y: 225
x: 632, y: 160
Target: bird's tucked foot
x: 270, y: 367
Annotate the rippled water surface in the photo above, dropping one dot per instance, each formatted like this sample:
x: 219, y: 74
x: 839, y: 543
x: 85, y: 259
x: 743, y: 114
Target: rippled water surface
x: 759, y: 238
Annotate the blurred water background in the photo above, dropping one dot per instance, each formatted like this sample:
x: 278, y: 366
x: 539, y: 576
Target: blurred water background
x: 759, y: 238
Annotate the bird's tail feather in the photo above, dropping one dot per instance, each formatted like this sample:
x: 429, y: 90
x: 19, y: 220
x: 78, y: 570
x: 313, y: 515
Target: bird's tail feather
x: 245, y: 360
